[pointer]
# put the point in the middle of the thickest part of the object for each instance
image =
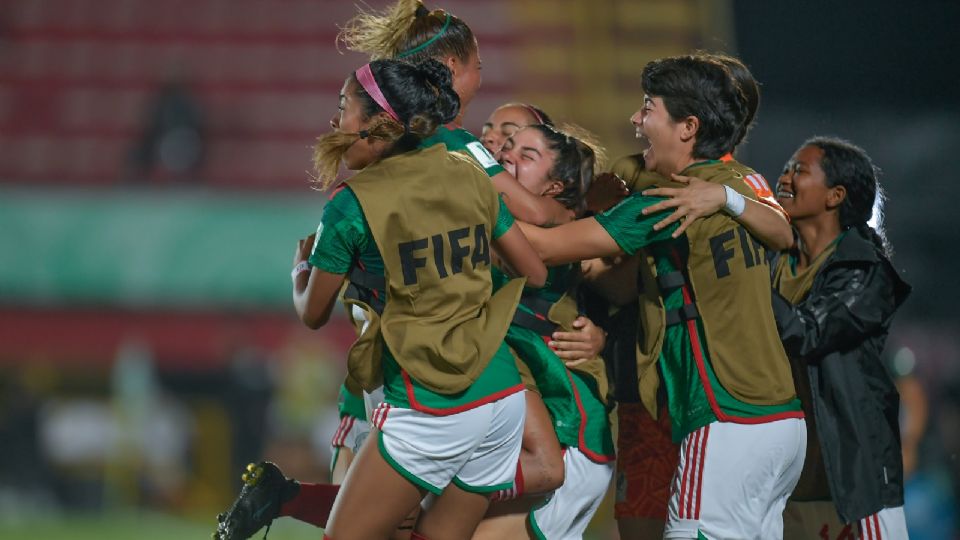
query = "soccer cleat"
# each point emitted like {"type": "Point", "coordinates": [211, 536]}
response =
{"type": "Point", "coordinates": [264, 491]}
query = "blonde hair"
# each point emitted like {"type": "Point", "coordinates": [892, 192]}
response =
{"type": "Point", "coordinates": [590, 140]}
{"type": "Point", "coordinates": [403, 27]}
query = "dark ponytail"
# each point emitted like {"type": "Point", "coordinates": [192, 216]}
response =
{"type": "Point", "coordinates": [439, 77]}
{"type": "Point", "coordinates": [423, 98]}
{"type": "Point", "coordinates": [846, 164]}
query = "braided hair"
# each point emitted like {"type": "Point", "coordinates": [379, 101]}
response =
{"type": "Point", "coordinates": [846, 164]}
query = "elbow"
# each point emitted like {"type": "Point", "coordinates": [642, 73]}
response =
{"type": "Point", "coordinates": [537, 213]}
{"type": "Point", "coordinates": [537, 279]}
{"type": "Point", "coordinates": [540, 217]}
{"type": "Point", "coordinates": [314, 321]}
{"type": "Point", "coordinates": [784, 240]}
{"type": "Point", "coordinates": [780, 240]}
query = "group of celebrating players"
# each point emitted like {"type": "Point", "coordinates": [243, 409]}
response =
{"type": "Point", "coordinates": [509, 291]}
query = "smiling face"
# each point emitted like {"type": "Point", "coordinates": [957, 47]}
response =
{"type": "Point", "coordinates": [503, 124]}
{"type": "Point", "coordinates": [802, 187]}
{"type": "Point", "coordinates": [665, 138]}
{"type": "Point", "coordinates": [350, 118]}
{"type": "Point", "coordinates": [526, 156]}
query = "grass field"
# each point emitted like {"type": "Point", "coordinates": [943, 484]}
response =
{"type": "Point", "coordinates": [134, 526]}
{"type": "Point", "coordinates": [145, 526]}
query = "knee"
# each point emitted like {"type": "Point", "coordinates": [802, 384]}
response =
{"type": "Point", "coordinates": [556, 471]}
{"type": "Point", "coordinates": [546, 473]}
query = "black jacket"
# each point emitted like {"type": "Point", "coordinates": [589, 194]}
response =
{"type": "Point", "coordinates": [840, 329]}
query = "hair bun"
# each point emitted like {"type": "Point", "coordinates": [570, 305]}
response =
{"type": "Point", "coordinates": [438, 76]}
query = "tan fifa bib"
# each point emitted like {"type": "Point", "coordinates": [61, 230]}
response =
{"type": "Point", "coordinates": [432, 214]}
{"type": "Point", "coordinates": [730, 278]}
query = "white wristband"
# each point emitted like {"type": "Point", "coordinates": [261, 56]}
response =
{"type": "Point", "coordinates": [736, 202]}
{"type": "Point", "coordinates": [301, 267]}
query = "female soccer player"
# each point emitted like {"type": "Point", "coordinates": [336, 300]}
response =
{"type": "Point", "coordinates": [448, 424]}
{"type": "Point", "coordinates": [727, 378]}
{"type": "Point", "coordinates": [426, 220]}
{"type": "Point", "coordinates": [837, 293]}
{"type": "Point", "coordinates": [555, 163]}
{"type": "Point", "coordinates": [408, 30]}
{"type": "Point", "coordinates": [508, 119]}
{"type": "Point", "coordinates": [646, 455]}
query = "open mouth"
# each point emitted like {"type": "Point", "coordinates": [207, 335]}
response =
{"type": "Point", "coordinates": [510, 168]}
{"type": "Point", "coordinates": [784, 194]}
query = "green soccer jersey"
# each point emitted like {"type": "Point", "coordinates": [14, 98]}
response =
{"type": "Point", "coordinates": [350, 404]}
{"type": "Point", "coordinates": [461, 140]}
{"type": "Point", "coordinates": [572, 398]}
{"type": "Point", "coordinates": [343, 239]}
{"type": "Point", "coordinates": [687, 387]}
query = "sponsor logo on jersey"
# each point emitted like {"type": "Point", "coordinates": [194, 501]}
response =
{"type": "Point", "coordinates": [481, 154]}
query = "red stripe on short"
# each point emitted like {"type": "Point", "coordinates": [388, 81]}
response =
{"type": "Point", "coordinates": [703, 459]}
{"type": "Point", "coordinates": [383, 416]}
{"type": "Point", "coordinates": [683, 480]}
{"type": "Point", "coordinates": [692, 474]}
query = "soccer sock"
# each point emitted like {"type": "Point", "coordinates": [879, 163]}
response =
{"type": "Point", "coordinates": [513, 493]}
{"type": "Point", "coordinates": [312, 504]}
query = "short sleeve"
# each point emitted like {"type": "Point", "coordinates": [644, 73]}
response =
{"type": "Point", "coordinates": [504, 219]}
{"type": "Point", "coordinates": [632, 230]}
{"type": "Point", "coordinates": [462, 141]}
{"type": "Point", "coordinates": [483, 157]}
{"type": "Point", "coordinates": [340, 236]}
{"type": "Point", "coordinates": [759, 189]}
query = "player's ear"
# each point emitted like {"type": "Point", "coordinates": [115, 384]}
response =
{"type": "Point", "coordinates": [553, 189]}
{"type": "Point", "coordinates": [835, 196]}
{"type": "Point", "coordinates": [453, 64]}
{"type": "Point", "coordinates": [689, 127]}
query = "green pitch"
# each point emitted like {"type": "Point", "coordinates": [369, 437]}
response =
{"type": "Point", "coordinates": [127, 526]}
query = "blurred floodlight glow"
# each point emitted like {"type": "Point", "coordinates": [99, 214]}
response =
{"type": "Point", "coordinates": [904, 361]}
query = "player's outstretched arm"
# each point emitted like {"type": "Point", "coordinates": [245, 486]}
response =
{"type": "Point", "coordinates": [571, 242]}
{"type": "Point", "coordinates": [525, 206]}
{"type": "Point", "coordinates": [701, 199]}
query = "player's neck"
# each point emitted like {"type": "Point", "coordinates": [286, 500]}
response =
{"type": "Point", "coordinates": [458, 121]}
{"type": "Point", "coordinates": [678, 164]}
{"type": "Point", "coordinates": [815, 234]}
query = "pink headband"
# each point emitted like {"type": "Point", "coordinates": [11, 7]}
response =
{"type": "Point", "coordinates": [369, 84]}
{"type": "Point", "coordinates": [533, 111]}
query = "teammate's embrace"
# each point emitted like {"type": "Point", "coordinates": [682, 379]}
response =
{"type": "Point", "coordinates": [727, 378]}
{"type": "Point", "coordinates": [426, 220]}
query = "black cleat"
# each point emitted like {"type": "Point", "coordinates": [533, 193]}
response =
{"type": "Point", "coordinates": [264, 490]}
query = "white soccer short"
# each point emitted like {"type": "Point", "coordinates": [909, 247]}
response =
{"type": "Point", "coordinates": [733, 480]}
{"type": "Point", "coordinates": [476, 449]}
{"type": "Point", "coordinates": [819, 519]}
{"type": "Point", "coordinates": [568, 512]}
{"type": "Point", "coordinates": [351, 433]}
